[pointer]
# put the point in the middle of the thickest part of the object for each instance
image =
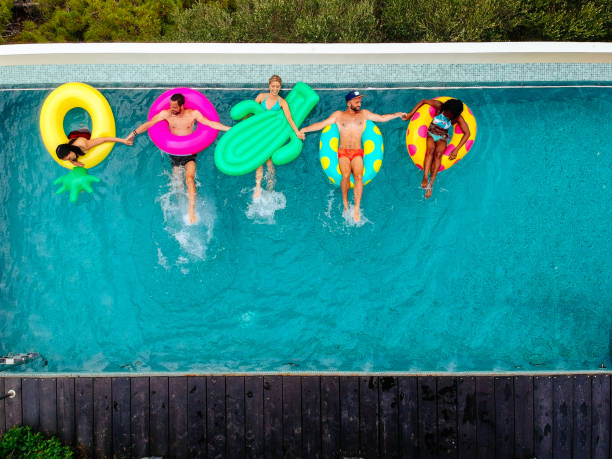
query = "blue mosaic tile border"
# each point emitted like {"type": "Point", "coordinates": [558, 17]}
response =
{"type": "Point", "coordinates": [245, 74]}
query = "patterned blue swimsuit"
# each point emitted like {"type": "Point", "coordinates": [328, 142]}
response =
{"type": "Point", "coordinates": [443, 123]}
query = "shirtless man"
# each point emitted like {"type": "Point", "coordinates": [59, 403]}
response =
{"type": "Point", "coordinates": [181, 121]}
{"type": "Point", "coordinates": [351, 123]}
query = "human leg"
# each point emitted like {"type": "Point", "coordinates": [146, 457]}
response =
{"type": "Point", "coordinates": [345, 183]}
{"type": "Point", "coordinates": [270, 179]}
{"type": "Point", "coordinates": [427, 162]}
{"type": "Point", "coordinates": [357, 169]}
{"type": "Point", "coordinates": [437, 160]}
{"type": "Point", "coordinates": [190, 170]}
{"type": "Point", "coordinates": [258, 177]}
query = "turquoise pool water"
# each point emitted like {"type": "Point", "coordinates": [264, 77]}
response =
{"type": "Point", "coordinates": [507, 267]}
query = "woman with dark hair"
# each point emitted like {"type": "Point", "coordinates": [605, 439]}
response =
{"type": "Point", "coordinates": [79, 142]}
{"type": "Point", "coordinates": [447, 115]}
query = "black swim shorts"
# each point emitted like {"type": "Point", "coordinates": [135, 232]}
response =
{"type": "Point", "coordinates": [181, 160]}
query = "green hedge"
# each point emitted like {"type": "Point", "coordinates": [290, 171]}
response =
{"type": "Point", "coordinates": [21, 442]}
{"type": "Point", "coordinates": [309, 21]}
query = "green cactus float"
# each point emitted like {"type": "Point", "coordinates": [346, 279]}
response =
{"type": "Point", "coordinates": [75, 181]}
{"type": "Point", "coordinates": [266, 134]}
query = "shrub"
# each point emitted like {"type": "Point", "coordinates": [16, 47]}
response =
{"type": "Point", "coordinates": [21, 442]}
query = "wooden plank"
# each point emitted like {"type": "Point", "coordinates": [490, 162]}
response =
{"type": "Point", "coordinates": [447, 417]}
{"type": "Point", "coordinates": [600, 433]}
{"type": "Point", "coordinates": [30, 402]}
{"type": "Point", "coordinates": [428, 420]}
{"type": "Point", "coordinates": [273, 416]}
{"type": "Point", "coordinates": [84, 414]}
{"type": "Point", "coordinates": [120, 389]}
{"type": "Point", "coordinates": [177, 412]}
{"type": "Point", "coordinates": [523, 415]}
{"type": "Point", "coordinates": [65, 410]}
{"type": "Point", "coordinates": [581, 416]}
{"type": "Point", "coordinates": [196, 416]}
{"type": "Point", "coordinates": [330, 416]}
{"type": "Point", "coordinates": [12, 406]}
{"type": "Point", "coordinates": [368, 416]}
{"type": "Point", "coordinates": [389, 416]}
{"type": "Point", "coordinates": [467, 440]}
{"type": "Point", "coordinates": [235, 416]}
{"type": "Point", "coordinates": [311, 416]}
{"type": "Point", "coordinates": [158, 415]}
{"type": "Point", "coordinates": [504, 417]}
{"type": "Point", "coordinates": [349, 416]}
{"type": "Point", "coordinates": [103, 417]}
{"type": "Point", "coordinates": [2, 410]}
{"type": "Point", "coordinates": [562, 416]}
{"type": "Point", "coordinates": [139, 416]}
{"type": "Point", "coordinates": [292, 416]}
{"type": "Point", "coordinates": [408, 403]}
{"type": "Point", "coordinates": [542, 416]}
{"type": "Point", "coordinates": [254, 420]}
{"type": "Point", "coordinates": [485, 410]}
{"type": "Point", "coordinates": [215, 416]}
{"type": "Point", "coordinates": [48, 406]}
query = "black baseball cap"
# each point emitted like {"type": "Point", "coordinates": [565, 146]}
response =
{"type": "Point", "coordinates": [351, 95]}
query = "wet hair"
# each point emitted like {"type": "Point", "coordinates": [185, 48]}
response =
{"type": "Point", "coordinates": [275, 78]}
{"type": "Point", "coordinates": [65, 149]}
{"type": "Point", "coordinates": [455, 106]}
{"type": "Point", "coordinates": [178, 97]}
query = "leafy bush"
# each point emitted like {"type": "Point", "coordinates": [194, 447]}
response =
{"type": "Point", "coordinates": [102, 21]}
{"type": "Point", "coordinates": [21, 442]}
{"type": "Point", "coordinates": [284, 21]}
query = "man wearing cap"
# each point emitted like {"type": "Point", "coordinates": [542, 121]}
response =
{"type": "Point", "coordinates": [351, 123]}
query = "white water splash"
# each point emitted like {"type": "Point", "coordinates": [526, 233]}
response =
{"type": "Point", "coordinates": [193, 238]}
{"type": "Point", "coordinates": [349, 217]}
{"type": "Point", "coordinates": [262, 209]}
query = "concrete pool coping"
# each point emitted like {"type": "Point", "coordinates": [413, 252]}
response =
{"type": "Point", "coordinates": [9, 374]}
{"type": "Point", "coordinates": [358, 65]}
{"type": "Point", "coordinates": [307, 53]}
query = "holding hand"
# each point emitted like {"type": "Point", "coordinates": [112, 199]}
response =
{"type": "Point", "coordinates": [453, 153]}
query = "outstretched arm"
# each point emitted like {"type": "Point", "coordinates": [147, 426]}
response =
{"type": "Point", "coordinates": [213, 124]}
{"type": "Point", "coordinates": [285, 106]}
{"type": "Point", "coordinates": [163, 115]}
{"type": "Point", "coordinates": [383, 118]}
{"type": "Point", "coordinates": [466, 135]}
{"type": "Point", "coordinates": [434, 103]}
{"type": "Point", "coordinates": [100, 140]}
{"type": "Point", "coordinates": [320, 124]}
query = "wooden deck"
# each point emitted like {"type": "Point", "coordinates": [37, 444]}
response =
{"type": "Point", "coordinates": [319, 416]}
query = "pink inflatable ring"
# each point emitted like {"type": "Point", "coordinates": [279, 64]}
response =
{"type": "Point", "coordinates": [183, 145]}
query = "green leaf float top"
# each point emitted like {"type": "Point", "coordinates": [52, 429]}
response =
{"type": "Point", "coordinates": [251, 142]}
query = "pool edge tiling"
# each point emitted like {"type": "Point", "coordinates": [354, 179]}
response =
{"type": "Point", "coordinates": [355, 64]}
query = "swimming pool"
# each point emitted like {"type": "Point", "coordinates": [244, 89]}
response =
{"type": "Point", "coordinates": [505, 268]}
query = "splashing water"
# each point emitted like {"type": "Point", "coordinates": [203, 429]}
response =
{"type": "Point", "coordinates": [193, 238]}
{"type": "Point", "coordinates": [261, 210]}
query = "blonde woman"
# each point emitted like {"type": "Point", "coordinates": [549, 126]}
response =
{"type": "Point", "coordinates": [271, 101]}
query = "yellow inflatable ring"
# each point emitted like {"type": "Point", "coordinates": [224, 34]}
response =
{"type": "Point", "coordinates": [416, 135]}
{"type": "Point", "coordinates": [60, 102]}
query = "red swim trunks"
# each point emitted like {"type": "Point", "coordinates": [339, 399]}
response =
{"type": "Point", "coordinates": [350, 153]}
{"type": "Point", "coordinates": [80, 133]}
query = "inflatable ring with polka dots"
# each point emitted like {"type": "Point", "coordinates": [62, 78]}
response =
{"type": "Point", "coordinates": [373, 148]}
{"type": "Point", "coordinates": [416, 135]}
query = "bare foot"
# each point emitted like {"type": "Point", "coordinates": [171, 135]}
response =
{"type": "Point", "coordinates": [424, 183]}
{"type": "Point", "coordinates": [428, 190]}
{"type": "Point", "coordinates": [357, 214]}
{"type": "Point", "coordinates": [192, 216]}
{"type": "Point", "coordinates": [257, 192]}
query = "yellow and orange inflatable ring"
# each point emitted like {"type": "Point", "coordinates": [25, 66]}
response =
{"type": "Point", "coordinates": [416, 135]}
{"type": "Point", "coordinates": [61, 101]}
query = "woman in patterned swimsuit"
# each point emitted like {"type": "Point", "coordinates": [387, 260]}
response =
{"type": "Point", "coordinates": [447, 115]}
